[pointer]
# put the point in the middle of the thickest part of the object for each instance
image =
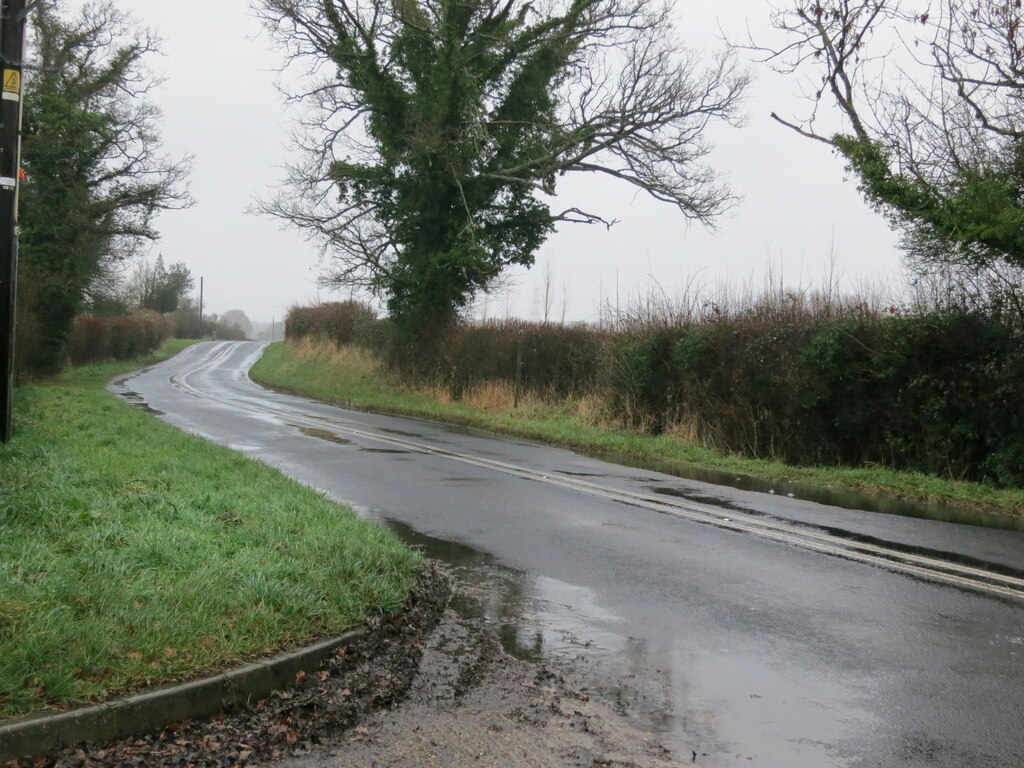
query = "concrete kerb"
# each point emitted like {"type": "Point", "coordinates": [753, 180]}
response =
{"type": "Point", "coordinates": [142, 712]}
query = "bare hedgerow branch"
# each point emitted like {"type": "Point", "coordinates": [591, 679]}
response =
{"type": "Point", "coordinates": [931, 108]}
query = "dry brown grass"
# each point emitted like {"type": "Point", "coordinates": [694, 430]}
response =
{"type": "Point", "coordinates": [492, 396]}
{"type": "Point", "coordinates": [591, 410]}
{"type": "Point", "coordinates": [686, 429]}
{"type": "Point", "coordinates": [348, 356]}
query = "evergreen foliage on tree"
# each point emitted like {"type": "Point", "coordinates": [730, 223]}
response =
{"type": "Point", "coordinates": [932, 104]}
{"type": "Point", "coordinates": [436, 139]}
{"type": "Point", "coordinates": [91, 152]}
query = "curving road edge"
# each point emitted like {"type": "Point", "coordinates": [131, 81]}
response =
{"type": "Point", "coordinates": [158, 707]}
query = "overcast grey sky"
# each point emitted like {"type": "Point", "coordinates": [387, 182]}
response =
{"type": "Point", "coordinates": [221, 105]}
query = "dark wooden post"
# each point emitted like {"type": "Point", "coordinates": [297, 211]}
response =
{"type": "Point", "coordinates": [12, 43]}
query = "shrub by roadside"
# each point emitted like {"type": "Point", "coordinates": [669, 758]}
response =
{"type": "Point", "coordinates": [124, 337]}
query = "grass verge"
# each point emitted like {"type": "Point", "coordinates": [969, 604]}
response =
{"type": "Point", "coordinates": [351, 377]}
{"type": "Point", "coordinates": [134, 554]}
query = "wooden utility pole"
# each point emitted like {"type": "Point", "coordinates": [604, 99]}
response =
{"type": "Point", "coordinates": [12, 44]}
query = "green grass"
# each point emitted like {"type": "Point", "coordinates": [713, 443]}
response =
{"type": "Point", "coordinates": [353, 379]}
{"type": "Point", "coordinates": [134, 554]}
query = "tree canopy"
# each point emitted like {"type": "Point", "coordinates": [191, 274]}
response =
{"type": "Point", "coordinates": [91, 152]}
{"type": "Point", "coordinates": [236, 318]}
{"type": "Point", "coordinates": [151, 285]}
{"type": "Point", "coordinates": [932, 110]}
{"type": "Point", "coordinates": [436, 133]}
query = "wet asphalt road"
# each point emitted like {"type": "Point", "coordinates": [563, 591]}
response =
{"type": "Point", "coordinates": [738, 648]}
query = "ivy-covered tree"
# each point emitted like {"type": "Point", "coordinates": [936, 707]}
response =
{"type": "Point", "coordinates": [931, 101]}
{"type": "Point", "coordinates": [95, 175]}
{"type": "Point", "coordinates": [436, 139]}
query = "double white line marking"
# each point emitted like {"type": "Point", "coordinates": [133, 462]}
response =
{"type": "Point", "coordinates": [917, 565]}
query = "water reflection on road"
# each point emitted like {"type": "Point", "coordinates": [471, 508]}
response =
{"type": "Point", "coordinates": [543, 619]}
{"type": "Point", "coordinates": [693, 697]}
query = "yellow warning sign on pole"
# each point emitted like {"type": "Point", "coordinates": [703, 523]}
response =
{"type": "Point", "coordinates": [12, 81]}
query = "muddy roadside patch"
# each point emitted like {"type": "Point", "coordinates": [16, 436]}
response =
{"type": "Point", "coordinates": [425, 687]}
{"type": "Point", "coordinates": [474, 705]}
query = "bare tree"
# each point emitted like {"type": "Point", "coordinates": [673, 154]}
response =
{"type": "Point", "coordinates": [547, 290]}
{"type": "Point", "coordinates": [151, 285]}
{"type": "Point", "coordinates": [238, 319]}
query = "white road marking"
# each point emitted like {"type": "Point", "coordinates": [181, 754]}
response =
{"type": "Point", "coordinates": [892, 559]}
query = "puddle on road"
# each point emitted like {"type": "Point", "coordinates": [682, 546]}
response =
{"type": "Point", "coordinates": [539, 618]}
{"type": "Point", "coordinates": [765, 703]}
{"type": "Point", "coordinates": [841, 499]}
{"type": "Point", "coordinates": [323, 434]}
{"type": "Point", "coordinates": [699, 701]}
{"type": "Point", "coordinates": [139, 402]}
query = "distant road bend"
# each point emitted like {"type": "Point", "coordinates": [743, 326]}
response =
{"type": "Point", "coordinates": [903, 646]}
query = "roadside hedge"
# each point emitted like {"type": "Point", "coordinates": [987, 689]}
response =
{"type": "Point", "coordinates": [938, 391]}
{"type": "Point", "coordinates": [123, 337]}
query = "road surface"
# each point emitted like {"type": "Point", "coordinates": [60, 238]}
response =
{"type": "Point", "coordinates": [744, 628]}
